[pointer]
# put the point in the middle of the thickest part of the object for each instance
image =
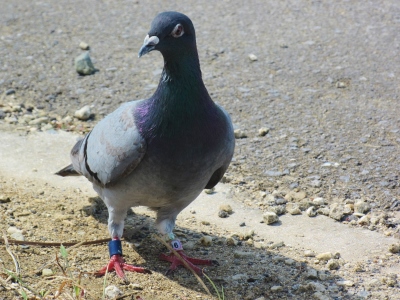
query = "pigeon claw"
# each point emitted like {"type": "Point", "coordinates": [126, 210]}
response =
{"type": "Point", "coordinates": [192, 262]}
{"type": "Point", "coordinates": [117, 264]}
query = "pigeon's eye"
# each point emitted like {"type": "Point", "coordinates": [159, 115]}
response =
{"type": "Point", "coordinates": [177, 31]}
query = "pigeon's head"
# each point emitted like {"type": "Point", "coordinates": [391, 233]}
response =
{"type": "Point", "coordinates": [171, 33]}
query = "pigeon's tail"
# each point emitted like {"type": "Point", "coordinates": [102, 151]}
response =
{"type": "Point", "coordinates": [68, 171]}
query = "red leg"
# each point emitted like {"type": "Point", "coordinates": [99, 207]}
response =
{"type": "Point", "coordinates": [176, 262]}
{"type": "Point", "coordinates": [117, 263]}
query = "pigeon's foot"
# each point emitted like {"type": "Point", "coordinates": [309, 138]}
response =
{"type": "Point", "coordinates": [176, 262]}
{"type": "Point", "coordinates": [117, 264]}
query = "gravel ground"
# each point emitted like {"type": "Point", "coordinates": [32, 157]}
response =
{"type": "Point", "coordinates": [312, 88]}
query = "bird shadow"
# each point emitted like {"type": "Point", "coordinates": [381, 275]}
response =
{"type": "Point", "coordinates": [246, 270]}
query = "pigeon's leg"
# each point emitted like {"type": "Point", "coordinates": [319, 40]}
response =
{"type": "Point", "coordinates": [166, 227]}
{"type": "Point", "coordinates": [117, 263]}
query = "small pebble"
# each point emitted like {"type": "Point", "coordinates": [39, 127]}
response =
{"type": "Point", "coordinates": [362, 207]}
{"type": "Point", "coordinates": [276, 245]}
{"type": "Point", "coordinates": [394, 248]}
{"type": "Point", "coordinates": [309, 253]}
{"type": "Point", "coordinates": [325, 256]}
{"type": "Point", "coordinates": [18, 236]}
{"type": "Point", "coordinates": [209, 191]}
{"type": "Point", "coordinates": [319, 201]}
{"type": "Point", "coordinates": [223, 214]}
{"type": "Point", "coordinates": [333, 264]}
{"type": "Point", "coordinates": [276, 288]}
{"type": "Point", "coordinates": [311, 212]}
{"type": "Point", "coordinates": [227, 208]}
{"type": "Point", "coordinates": [4, 199]}
{"type": "Point", "coordinates": [205, 222]}
{"type": "Point", "coordinates": [241, 224]}
{"type": "Point", "coordinates": [239, 134]}
{"type": "Point", "coordinates": [84, 65]}
{"type": "Point", "coordinates": [206, 240]}
{"type": "Point", "coordinates": [345, 283]}
{"type": "Point", "coordinates": [312, 274]}
{"type": "Point", "coordinates": [84, 46]}
{"type": "Point", "coordinates": [112, 292]}
{"type": "Point", "coordinates": [263, 131]}
{"type": "Point", "coordinates": [363, 220]}
{"type": "Point", "coordinates": [47, 272]}
{"type": "Point", "coordinates": [83, 113]}
{"type": "Point", "coordinates": [10, 92]}
{"type": "Point", "coordinates": [230, 241]}
{"type": "Point", "coordinates": [252, 57]}
{"type": "Point", "coordinates": [270, 217]}
{"type": "Point", "coordinates": [295, 210]}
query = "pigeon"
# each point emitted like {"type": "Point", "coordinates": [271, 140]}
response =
{"type": "Point", "coordinates": [159, 152]}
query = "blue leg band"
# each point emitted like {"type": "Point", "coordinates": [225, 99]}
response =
{"type": "Point", "coordinates": [115, 247]}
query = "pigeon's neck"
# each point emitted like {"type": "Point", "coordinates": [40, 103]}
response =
{"type": "Point", "coordinates": [181, 101]}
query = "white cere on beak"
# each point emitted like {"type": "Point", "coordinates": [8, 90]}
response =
{"type": "Point", "coordinates": [151, 40]}
{"type": "Point", "coordinates": [177, 31]}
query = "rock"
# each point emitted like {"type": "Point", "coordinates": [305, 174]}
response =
{"type": "Point", "coordinates": [278, 209]}
{"type": "Point", "coordinates": [84, 46]}
{"type": "Point", "coordinates": [205, 223]}
{"type": "Point", "coordinates": [46, 127]}
{"type": "Point", "coordinates": [112, 292]}
{"type": "Point", "coordinates": [336, 212]}
{"type": "Point", "coordinates": [345, 283]}
{"type": "Point", "coordinates": [294, 210]}
{"type": "Point", "coordinates": [333, 264]}
{"type": "Point", "coordinates": [363, 221]}
{"type": "Point", "coordinates": [394, 248]}
{"type": "Point", "coordinates": [47, 272]}
{"type": "Point", "coordinates": [296, 196]}
{"type": "Point", "coordinates": [252, 57]}
{"type": "Point", "coordinates": [227, 208]}
{"type": "Point", "coordinates": [230, 241]}
{"type": "Point", "coordinates": [309, 253]}
{"type": "Point", "coordinates": [206, 240]}
{"type": "Point", "coordinates": [325, 256]}
{"type": "Point", "coordinates": [273, 173]}
{"type": "Point", "coordinates": [263, 131]}
{"type": "Point", "coordinates": [239, 134]}
{"type": "Point", "coordinates": [276, 245]}
{"type": "Point", "coordinates": [276, 288]}
{"type": "Point", "coordinates": [18, 236]}
{"type": "Point", "coordinates": [242, 254]}
{"type": "Point", "coordinates": [362, 207]}
{"type": "Point", "coordinates": [84, 65]}
{"type": "Point", "coordinates": [83, 113]}
{"type": "Point", "coordinates": [270, 217]}
{"type": "Point", "coordinates": [223, 214]}
{"type": "Point", "coordinates": [13, 229]}
{"type": "Point", "coordinates": [311, 212]}
{"type": "Point", "coordinates": [39, 121]}
{"type": "Point", "coordinates": [10, 92]}
{"type": "Point", "coordinates": [319, 201]}
{"type": "Point", "coordinates": [323, 211]}
{"type": "Point", "coordinates": [312, 274]}
{"type": "Point", "coordinates": [209, 191]}
{"type": "Point", "coordinates": [4, 199]}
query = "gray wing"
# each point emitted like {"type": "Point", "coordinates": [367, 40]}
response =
{"type": "Point", "coordinates": [228, 152]}
{"type": "Point", "coordinates": [112, 150]}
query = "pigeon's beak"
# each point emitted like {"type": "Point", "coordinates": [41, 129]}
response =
{"type": "Point", "coordinates": [149, 44]}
